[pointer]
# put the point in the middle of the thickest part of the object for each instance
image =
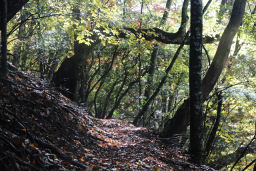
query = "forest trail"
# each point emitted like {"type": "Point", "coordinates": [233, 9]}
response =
{"type": "Point", "coordinates": [40, 129]}
{"type": "Point", "coordinates": [127, 146]}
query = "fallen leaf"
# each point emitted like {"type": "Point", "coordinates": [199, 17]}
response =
{"type": "Point", "coordinates": [70, 117]}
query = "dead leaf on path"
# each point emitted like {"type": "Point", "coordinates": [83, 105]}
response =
{"type": "Point", "coordinates": [70, 117]}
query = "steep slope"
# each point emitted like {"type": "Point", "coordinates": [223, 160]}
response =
{"type": "Point", "coordinates": [40, 129]}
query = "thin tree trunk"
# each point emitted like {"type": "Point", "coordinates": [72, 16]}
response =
{"type": "Point", "coordinates": [98, 113]}
{"type": "Point", "coordinates": [212, 135]}
{"type": "Point", "coordinates": [222, 10]}
{"type": "Point", "coordinates": [151, 73]}
{"type": "Point", "coordinates": [254, 10]}
{"type": "Point", "coordinates": [18, 47]}
{"type": "Point", "coordinates": [246, 167]}
{"type": "Point", "coordinates": [3, 26]}
{"type": "Point", "coordinates": [230, 158]}
{"type": "Point", "coordinates": [118, 100]}
{"type": "Point", "coordinates": [243, 152]}
{"type": "Point", "coordinates": [124, 8]}
{"type": "Point", "coordinates": [182, 29]}
{"type": "Point", "coordinates": [152, 97]}
{"type": "Point", "coordinates": [164, 102]}
{"type": "Point", "coordinates": [96, 110]}
{"type": "Point", "coordinates": [154, 54]}
{"type": "Point", "coordinates": [40, 43]}
{"type": "Point", "coordinates": [139, 55]}
{"type": "Point", "coordinates": [108, 98]}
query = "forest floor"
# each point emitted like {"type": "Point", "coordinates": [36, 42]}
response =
{"type": "Point", "coordinates": [40, 129]}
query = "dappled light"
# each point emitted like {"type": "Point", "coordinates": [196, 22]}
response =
{"type": "Point", "coordinates": [128, 85]}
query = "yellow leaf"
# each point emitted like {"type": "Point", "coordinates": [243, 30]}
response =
{"type": "Point", "coordinates": [32, 145]}
{"type": "Point", "coordinates": [82, 159]}
{"type": "Point", "coordinates": [157, 169]}
{"type": "Point", "coordinates": [54, 157]}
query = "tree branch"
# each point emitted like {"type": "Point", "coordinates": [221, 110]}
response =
{"type": "Point", "coordinates": [230, 158]}
{"type": "Point", "coordinates": [13, 7]}
{"type": "Point", "coordinates": [166, 37]}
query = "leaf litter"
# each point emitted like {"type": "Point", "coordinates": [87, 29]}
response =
{"type": "Point", "coordinates": [40, 129]}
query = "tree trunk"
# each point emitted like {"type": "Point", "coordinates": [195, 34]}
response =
{"type": "Point", "coordinates": [195, 82]}
{"type": "Point", "coordinates": [154, 54]}
{"type": "Point", "coordinates": [164, 102]}
{"type": "Point", "coordinates": [3, 26]}
{"type": "Point", "coordinates": [242, 154]}
{"type": "Point", "coordinates": [13, 7]}
{"type": "Point", "coordinates": [70, 72]}
{"type": "Point", "coordinates": [70, 75]}
{"type": "Point", "coordinates": [182, 30]}
{"type": "Point", "coordinates": [18, 47]}
{"type": "Point", "coordinates": [151, 72]}
{"type": "Point", "coordinates": [178, 124]}
{"type": "Point", "coordinates": [152, 97]}
{"type": "Point", "coordinates": [212, 135]}
{"type": "Point", "coordinates": [223, 50]}
{"type": "Point", "coordinates": [222, 10]}
{"type": "Point", "coordinates": [40, 52]}
{"type": "Point", "coordinates": [118, 100]}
